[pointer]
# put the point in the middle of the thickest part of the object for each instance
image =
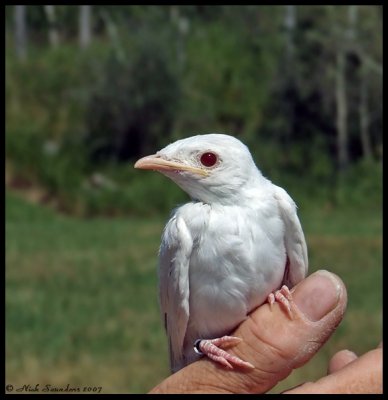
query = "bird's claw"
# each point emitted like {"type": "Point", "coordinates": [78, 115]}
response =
{"type": "Point", "coordinates": [284, 297]}
{"type": "Point", "coordinates": [212, 348]}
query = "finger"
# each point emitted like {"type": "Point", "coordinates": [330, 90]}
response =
{"type": "Point", "coordinates": [272, 342]}
{"type": "Point", "coordinates": [361, 376]}
{"type": "Point", "coordinates": [380, 346]}
{"type": "Point", "coordinates": [340, 359]}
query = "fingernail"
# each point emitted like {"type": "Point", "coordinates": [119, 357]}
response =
{"type": "Point", "coordinates": [351, 355]}
{"type": "Point", "coordinates": [317, 295]}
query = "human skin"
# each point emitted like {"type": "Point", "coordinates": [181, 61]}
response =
{"type": "Point", "coordinates": [349, 374]}
{"type": "Point", "coordinates": [276, 345]}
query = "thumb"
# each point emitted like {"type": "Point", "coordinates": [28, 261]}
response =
{"type": "Point", "coordinates": [272, 342]}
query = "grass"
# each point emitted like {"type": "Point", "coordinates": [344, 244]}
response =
{"type": "Point", "coordinates": [81, 295]}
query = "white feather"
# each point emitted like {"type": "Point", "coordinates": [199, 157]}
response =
{"type": "Point", "coordinates": [223, 253]}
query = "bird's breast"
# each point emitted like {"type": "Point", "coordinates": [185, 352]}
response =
{"type": "Point", "coordinates": [238, 258]}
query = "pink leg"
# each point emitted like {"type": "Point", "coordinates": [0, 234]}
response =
{"type": "Point", "coordinates": [212, 348]}
{"type": "Point", "coordinates": [284, 297]}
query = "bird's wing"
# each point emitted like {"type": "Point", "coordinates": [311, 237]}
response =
{"type": "Point", "coordinates": [297, 261]}
{"type": "Point", "coordinates": [174, 258]}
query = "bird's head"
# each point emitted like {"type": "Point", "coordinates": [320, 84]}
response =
{"type": "Point", "coordinates": [210, 168]}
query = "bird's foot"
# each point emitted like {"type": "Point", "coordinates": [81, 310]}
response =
{"type": "Point", "coordinates": [212, 348]}
{"type": "Point", "coordinates": [284, 297]}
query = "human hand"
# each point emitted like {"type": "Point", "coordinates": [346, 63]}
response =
{"type": "Point", "coordinates": [276, 345]}
{"type": "Point", "coordinates": [349, 374]}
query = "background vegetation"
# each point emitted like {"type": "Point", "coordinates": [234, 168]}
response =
{"type": "Point", "coordinates": [89, 89]}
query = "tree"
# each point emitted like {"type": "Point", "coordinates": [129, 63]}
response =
{"type": "Point", "coordinates": [85, 32]}
{"type": "Point", "coordinates": [52, 29]}
{"type": "Point", "coordinates": [341, 111]}
{"type": "Point", "coordinates": [364, 116]}
{"type": "Point", "coordinates": [20, 32]}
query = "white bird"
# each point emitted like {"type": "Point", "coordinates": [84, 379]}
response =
{"type": "Point", "coordinates": [227, 251]}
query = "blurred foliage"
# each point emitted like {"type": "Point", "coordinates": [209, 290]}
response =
{"type": "Point", "coordinates": [133, 102]}
{"type": "Point", "coordinates": [77, 119]}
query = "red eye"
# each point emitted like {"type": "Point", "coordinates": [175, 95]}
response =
{"type": "Point", "coordinates": [209, 159]}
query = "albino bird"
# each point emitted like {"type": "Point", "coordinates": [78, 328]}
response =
{"type": "Point", "coordinates": [227, 251]}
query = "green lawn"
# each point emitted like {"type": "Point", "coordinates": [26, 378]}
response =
{"type": "Point", "coordinates": [81, 295]}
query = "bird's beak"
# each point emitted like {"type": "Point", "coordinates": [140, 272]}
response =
{"type": "Point", "coordinates": [157, 163]}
